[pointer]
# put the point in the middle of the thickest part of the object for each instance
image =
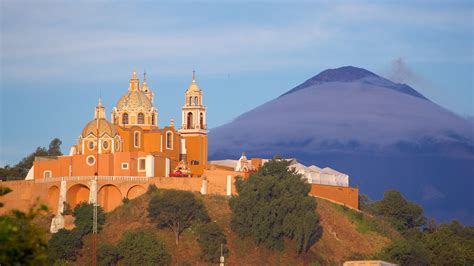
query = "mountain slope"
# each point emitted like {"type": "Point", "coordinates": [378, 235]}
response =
{"type": "Point", "coordinates": [383, 134]}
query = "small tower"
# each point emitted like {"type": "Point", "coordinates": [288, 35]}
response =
{"type": "Point", "coordinates": [193, 111]}
{"type": "Point", "coordinates": [194, 127]}
{"type": "Point", "coordinates": [146, 89]}
{"type": "Point", "coordinates": [134, 82]}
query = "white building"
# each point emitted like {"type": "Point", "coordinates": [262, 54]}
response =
{"type": "Point", "coordinates": [312, 173]}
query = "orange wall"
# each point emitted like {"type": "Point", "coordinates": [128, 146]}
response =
{"type": "Point", "coordinates": [346, 195]}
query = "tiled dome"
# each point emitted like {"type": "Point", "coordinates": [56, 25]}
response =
{"type": "Point", "coordinates": [134, 101]}
{"type": "Point", "coordinates": [105, 127]}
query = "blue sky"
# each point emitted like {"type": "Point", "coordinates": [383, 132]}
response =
{"type": "Point", "coordinates": [57, 56]}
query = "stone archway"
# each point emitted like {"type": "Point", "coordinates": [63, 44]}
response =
{"type": "Point", "coordinates": [109, 197]}
{"type": "Point", "coordinates": [77, 194]}
{"type": "Point", "coordinates": [52, 199]}
{"type": "Point", "coordinates": [135, 191]}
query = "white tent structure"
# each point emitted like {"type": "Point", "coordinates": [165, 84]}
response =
{"type": "Point", "coordinates": [312, 173]}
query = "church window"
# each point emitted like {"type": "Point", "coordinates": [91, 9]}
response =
{"type": "Point", "coordinates": [169, 140]}
{"type": "Point", "coordinates": [90, 160]}
{"type": "Point", "coordinates": [91, 145]}
{"type": "Point", "coordinates": [125, 119]}
{"type": "Point", "coordinates": [141, 118]}
{"type": "Point", "coordinates": [190, 121]}
{"type": "Point", "coordinates": [194, 162]}
{"type": "Point", "coordinates": [124, 166]}
{"type": "Point", "coordinates": [47, 174]}
{"type": "Point", "coordinates": [117, 146]}
{"type": "Point", "coordinates": [153, 119]}
{"type": "Point", "coordinates": [141, 164]}
{"type": "Point", "coordinates": [105, 145]}
{"type": "Point", "coordinates": [201, 120]}
{"type": "Point", "coordinates": [136, 139]}
{"type": "Point", "coordinates": [196, 101]}
{"type": "Point", "coordinates": [190, 100]}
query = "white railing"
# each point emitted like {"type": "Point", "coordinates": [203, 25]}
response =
{"type": "Point", "coordinates": [87, 178]}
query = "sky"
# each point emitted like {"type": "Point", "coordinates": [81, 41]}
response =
{"type": "Point", "coordinates": [59, 57]}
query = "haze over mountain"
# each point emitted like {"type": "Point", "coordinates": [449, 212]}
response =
{"type": "Point", "coordinates": [383, 134]}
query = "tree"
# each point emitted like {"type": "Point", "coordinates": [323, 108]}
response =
{"type": "Point", "coordinates": [452, 244]}
{"type": "Point", "coordinates": [55, 147]}
{"type": "Point", "coordinates": [176, 210]}
{"type": "Point", "coordinates": [401, 213]}
{"type": "Point", "coordinates": [211, 237]}
{"type": "Point", "coordinates": [405, 252]}
{"type": "Point", "coordinates": [142, 248]}
{"type": "Point", "coordinates": [64, 245]}
{"type": "Point", "coordinates": [21, 242]}
{"type": "Point", "coordinates": [83, 213]}
{"type": "Point", "coordinates": [107, 255]}
{"type": "Point", "coordinates": [273, 203]}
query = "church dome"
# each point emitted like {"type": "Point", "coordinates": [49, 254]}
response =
{"type": "Point", "coordinates": [134, 100]}
{"type": "Point", "coordinates": [105, 127]}
{"type": "Point", "coordinates": [193, 87]}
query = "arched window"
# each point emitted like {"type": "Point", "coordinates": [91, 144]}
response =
{"type": "Point", "coordinates": [169, 140]}
{"type": "Point", "coordinates": [125, 119]}
{"type": "Point", "coordinates": [196, 101]}
{"type": "Point", "coordinates": [136, 139]}
{"type": "Point", "coordinates": [190, 121]}
{"type": "Point", "coordinates": [190, 100]}
{"type": "Point", "coordinates": [141, 118]}
{"type": "Point", "coordinates": [153, 119]}
{"type": "Point", "coordinates": [201, 120]}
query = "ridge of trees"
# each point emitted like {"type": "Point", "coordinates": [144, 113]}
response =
{"type": "Point", "coordinates": [20, 170]}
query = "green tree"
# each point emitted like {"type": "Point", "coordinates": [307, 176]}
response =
{"type": "Point", "coordinates": [211, 237]}
{"type": "Point", "coordinates": [64, 245]}
{"type": "Point", "coordinates": [21, 242]}
{"type": "Point", "coordinates": [405, 252]}
{"type": "Point", "coordinates": [401, 213]}
{"type": "Point", "coordinates": [142, 248]}
{"type": "Point", "coordinates": [273, 203]}
{"type": "Point", "coordinates": [107, 255]}
{"type": "Point", "coordinates": [54, 148]}
{"type": "Point", "coordinates": [450, 244]}
{"type": "Point", "coordinates": [83, 213]}
{"type": "Point", "coordinates": [176, 210]}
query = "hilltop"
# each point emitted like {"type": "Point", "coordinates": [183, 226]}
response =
{"type": "Point", "coordinates": [345, 235]}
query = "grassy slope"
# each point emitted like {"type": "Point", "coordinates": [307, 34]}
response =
{"type": "Point", "coordinates": [345, 233]}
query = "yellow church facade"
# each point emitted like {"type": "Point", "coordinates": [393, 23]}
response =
{"type": "Point", "coordinates": [132, 144]}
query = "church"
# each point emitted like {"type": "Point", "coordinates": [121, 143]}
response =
{"type": "Point", "coordinates": [132, 144]}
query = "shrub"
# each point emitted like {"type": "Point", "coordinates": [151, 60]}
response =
{"type": "Point", "coordinates": [273, 203]}
{"type": "Point", "coordinates": [107, 255]}
{"type": "Point", "coordinates": [176, 210]}
{"type": "Point", "coordinates": [211, 237]}
{"type": "Point", "coordinates": [142, 248]}
{"type": "Point", "coordinates": [151, 189]}
{"type": "Point", "coordinates": [22, 242]}
{"type": "Point", "coordinates": [125, 201]}
{"type": "Point", "coordinates": [64, 245]}
{"type": "Point", "coordinates": [83, 213]}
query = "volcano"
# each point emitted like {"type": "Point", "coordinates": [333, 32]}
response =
{"type": "Point", "coordinates": [383, 134]}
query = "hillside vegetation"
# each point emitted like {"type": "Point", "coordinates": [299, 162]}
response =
{"type": "Point", "coordinates": [343, 236]}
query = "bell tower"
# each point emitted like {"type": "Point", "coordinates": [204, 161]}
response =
{"type": "Point", "coordinates": [194, 127]}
